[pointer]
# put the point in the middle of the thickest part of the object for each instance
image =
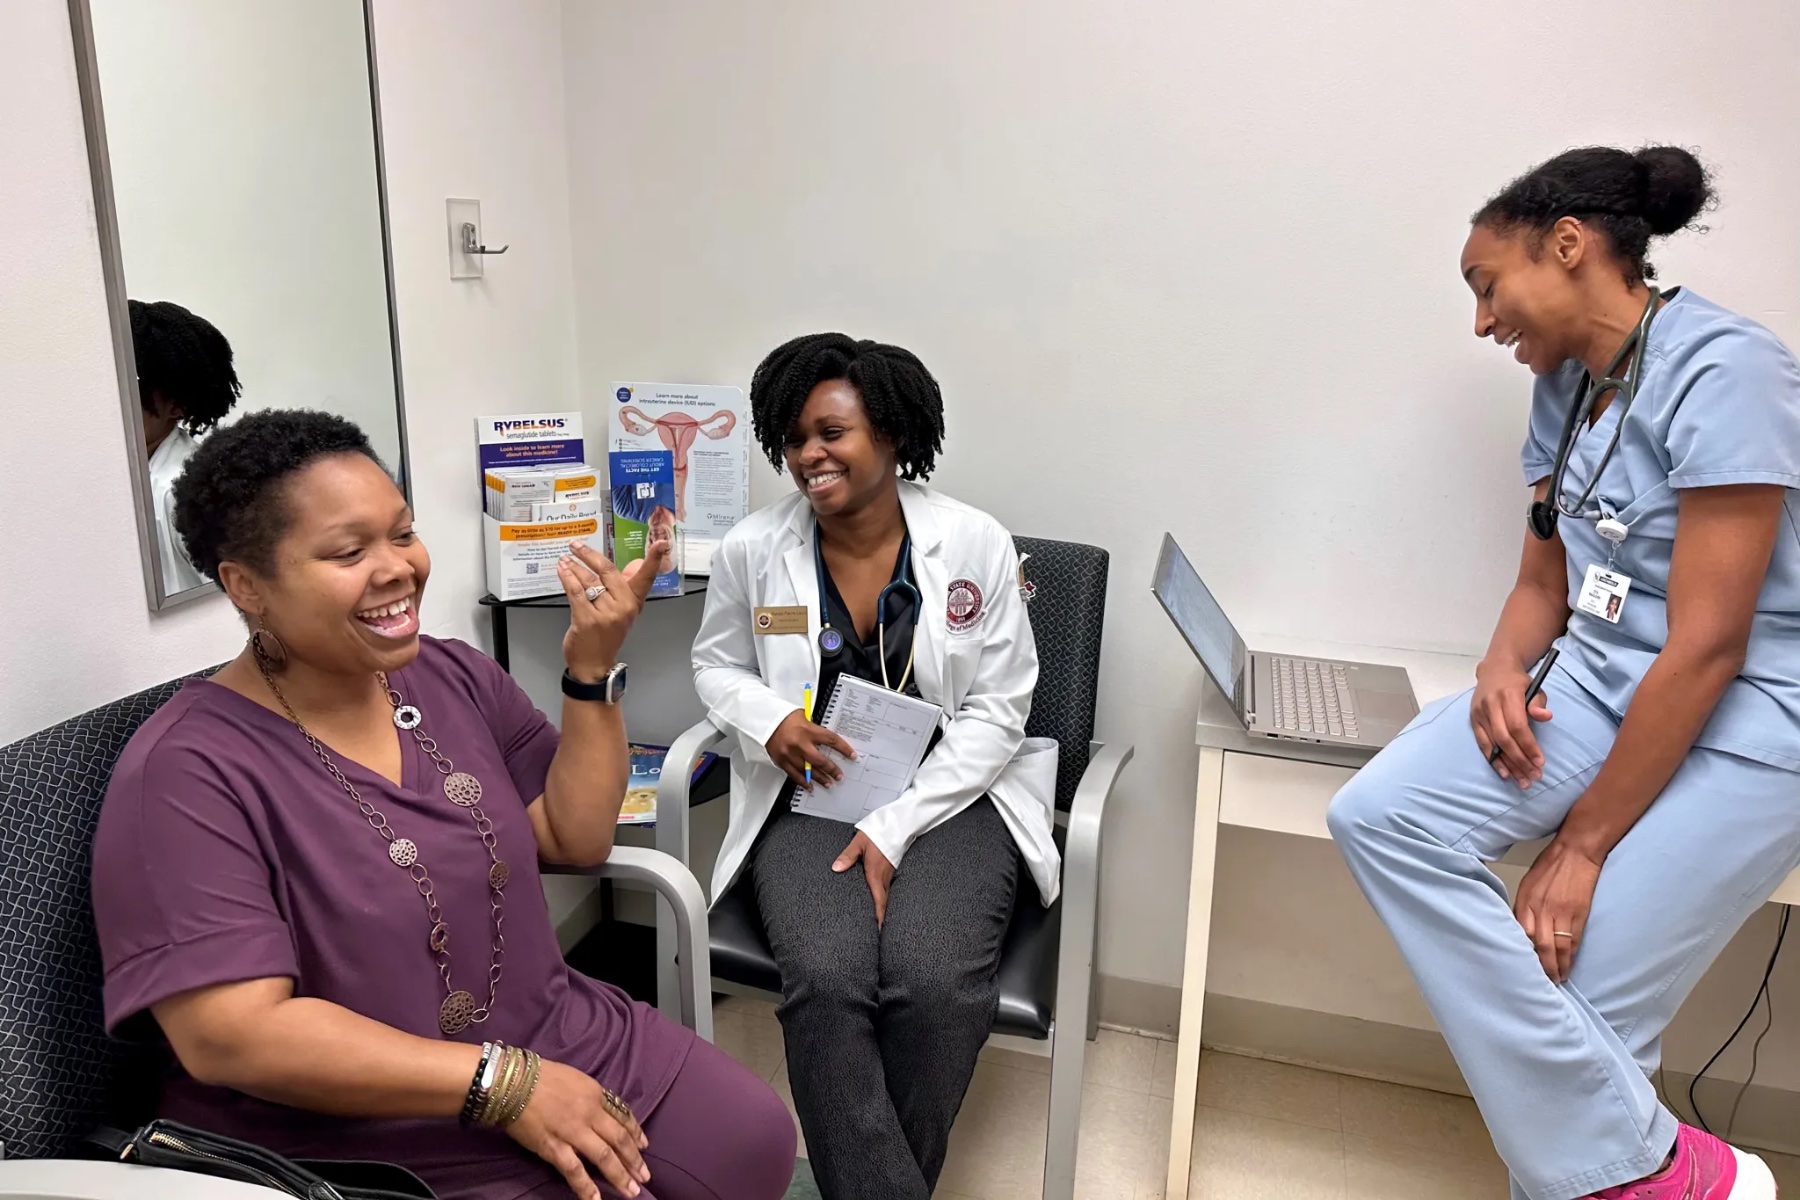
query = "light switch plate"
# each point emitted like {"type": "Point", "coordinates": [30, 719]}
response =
{"type": "Point", "coordinates": [460, 212]}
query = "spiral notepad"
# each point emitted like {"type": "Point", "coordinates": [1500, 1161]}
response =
{"type": "Point", "coordinates": [890, 733]}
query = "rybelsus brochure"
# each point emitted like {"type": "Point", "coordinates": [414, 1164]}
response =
{"type": "Point", "coordinates": [706, 432]}
{"type": "Point", "coordinates": [538, 494]}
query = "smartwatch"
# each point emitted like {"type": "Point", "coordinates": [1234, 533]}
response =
{"type": "Point", "coordinates": [608, 691]}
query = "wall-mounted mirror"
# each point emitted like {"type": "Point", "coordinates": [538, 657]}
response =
{"type": "Point", "coordinates": [237, 181]}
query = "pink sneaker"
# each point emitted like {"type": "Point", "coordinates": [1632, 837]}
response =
{"type": "Point", "coordinates": [1705, 1168]}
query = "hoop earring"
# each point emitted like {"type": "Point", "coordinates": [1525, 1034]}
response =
{"type": "Point", "coordinates": [268, 649]}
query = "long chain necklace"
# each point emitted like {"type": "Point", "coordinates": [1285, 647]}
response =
{"type": "Point", "coordinates": [459, 1009]}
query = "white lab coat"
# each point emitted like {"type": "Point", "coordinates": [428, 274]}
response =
{"type": "Point", "coordinates": [983, 677]}
{"type": "Point", "coordinates": [166, 465]}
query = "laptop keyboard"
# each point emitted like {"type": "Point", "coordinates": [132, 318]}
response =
{"type": "Point", "coordinates": [1313, 697]}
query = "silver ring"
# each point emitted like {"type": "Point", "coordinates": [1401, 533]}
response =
{"type": "Point", "coordinates": [595, 591]}
{"type": "Point", "coordinates": [1560, 933]}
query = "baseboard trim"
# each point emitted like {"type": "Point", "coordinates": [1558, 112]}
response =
{"type": "Point", "coordinates": [1152, 1008]}
{"type": "Point", "coordinates": [1347, 1045]}
{"type": "Point", "coordinates": [1768, 1118]}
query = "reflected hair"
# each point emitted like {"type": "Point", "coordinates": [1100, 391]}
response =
{"type": "Point", "coordinates": [1632, 197]}
{"type": "Point", "coordinates": [185, 360]}
{"type": "Point", "coordinates": [903, 401]}
{"type": "Point", "coordinates": [230, 499]}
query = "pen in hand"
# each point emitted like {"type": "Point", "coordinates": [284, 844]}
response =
{"type": "Point", "coordinates": [1532, 692]}
{"type": "Point", "coordinates": [806, 697]}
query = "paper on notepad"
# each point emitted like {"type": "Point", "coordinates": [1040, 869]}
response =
{"type": "Point", "coordinates": [890, 733]}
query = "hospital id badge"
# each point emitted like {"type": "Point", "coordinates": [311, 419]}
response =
{"type": "Point", "coordinates": [1603, 593]}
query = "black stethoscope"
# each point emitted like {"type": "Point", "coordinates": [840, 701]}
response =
{"type": "Point", "coordinates": [831, 642]}
{"type": "Point", "coordinates": [1544, 513]}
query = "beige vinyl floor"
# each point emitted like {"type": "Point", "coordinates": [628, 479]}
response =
{"type": "Point", "coordinates": [1266, 1131]}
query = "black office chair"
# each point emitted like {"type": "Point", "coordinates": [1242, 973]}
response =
{"type": "Point", "coordinates": [60, 1074]}
{"type": "Point", "coordinates": [1046, 972]}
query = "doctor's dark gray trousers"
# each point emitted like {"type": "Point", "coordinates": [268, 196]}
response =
{"type": "Point", "coordinates": [883, 1025]}
{"type": "Point", "coordinates": [1561, 1072]}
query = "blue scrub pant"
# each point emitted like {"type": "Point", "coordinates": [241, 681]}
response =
{"type": "Point", "coordinates": [1561, 1073]}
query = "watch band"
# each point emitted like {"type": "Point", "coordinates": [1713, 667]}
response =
{"type": "Point", "coordinates": [600, 693]}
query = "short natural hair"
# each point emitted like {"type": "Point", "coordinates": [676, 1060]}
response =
{"type": "Point", "coordinates": [904, 402]}
{"type": "Point", "coordinates": [229, 499]}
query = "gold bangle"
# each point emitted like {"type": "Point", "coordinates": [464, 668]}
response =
{"type": "Point", "coordinates": [527, 1085]}
{"type": "Point", "coordinates": [504, 1101]}
{"type": "Point", "coordinates": [509, 1066]}
{"type": "Point", "coordinates": [503, 1113]}
{"type": "Point", "coordinates": [513, 1086]}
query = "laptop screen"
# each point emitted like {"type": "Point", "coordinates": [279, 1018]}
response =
{"type": "Point", "coordinates": [1197, 615]}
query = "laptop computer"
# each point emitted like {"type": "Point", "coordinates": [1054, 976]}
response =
{"type": "Point", "coordinates": [1282, 696]}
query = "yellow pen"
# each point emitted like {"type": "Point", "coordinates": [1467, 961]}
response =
{"type": "Point", "coordinates": [807, 696]}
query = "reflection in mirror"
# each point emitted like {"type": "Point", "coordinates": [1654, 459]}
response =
{"type": "Point", "coordinates": [238, 180]}
{"type": "Point", "coordinates": [186, 386]}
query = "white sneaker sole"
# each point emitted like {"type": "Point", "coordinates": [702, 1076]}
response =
{"type": "Point", "coordinates": [1754, 1180]}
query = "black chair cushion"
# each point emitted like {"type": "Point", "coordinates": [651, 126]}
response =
{"type": "Point", "coordinates": [740, 950]}
{"type": "Point", "coordinates": [1027, 973]}
{"type": "Point", "coordinates": [1028, 961]}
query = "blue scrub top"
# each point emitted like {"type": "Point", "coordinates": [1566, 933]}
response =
{"type": "Point", "coordinates": [1719, 404]}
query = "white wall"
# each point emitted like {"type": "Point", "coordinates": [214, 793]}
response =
{"type": "Point", "coordinates": [472, 107]}
{"type": "Point", "coordinates": [74, 629]}
{"type": "Point", "coordinates": [243, 163]}
{"type": "Point", "coordinates": [1177, 266]}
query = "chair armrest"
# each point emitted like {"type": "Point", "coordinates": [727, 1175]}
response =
{"type": "Point", "coordinates": [1075, 1015]}
{"type": "Point", "coordinates": [1081, 866]}
{"type": "Point", "coordinates": [675, 786]}
{"type": "Point", "coordinates": [675, 957]}
{"type": "Point", "coordinates": [1081, 847]}
{"type": "Point", "coordinates": [81, 1179]}
{"type": "Point", "coordinates": [677, 885]}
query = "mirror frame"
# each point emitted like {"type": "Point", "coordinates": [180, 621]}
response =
{"type": "Point", "coordinates": [112, 266]}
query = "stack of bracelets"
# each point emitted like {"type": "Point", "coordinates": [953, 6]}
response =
{"type": "Point", "coordinates": [502, 1086]}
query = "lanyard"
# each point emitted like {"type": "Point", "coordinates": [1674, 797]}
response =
{"type": "Point", "coordinates": [831, 642]}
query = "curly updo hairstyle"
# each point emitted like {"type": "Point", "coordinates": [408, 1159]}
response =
{"type": "Point", "coordinates": [1631, 197]}
{"type": "Point", "coordinates": [230, 500]}
{"type": "Point", "coordinates": [903, 400]}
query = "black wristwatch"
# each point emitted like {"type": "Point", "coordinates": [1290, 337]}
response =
{"type": "Point", "coordinates": [609, 690]}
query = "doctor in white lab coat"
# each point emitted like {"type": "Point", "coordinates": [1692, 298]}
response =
{"type": "Point", "coordinates": [187, 385]}
{"type": "Point", "coordinates": [887, 932]}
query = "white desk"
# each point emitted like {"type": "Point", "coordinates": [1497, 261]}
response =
{"type": "Point", "coordinates": [1283, 787]}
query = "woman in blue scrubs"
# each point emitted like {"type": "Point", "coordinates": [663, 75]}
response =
{"type": "Point", "coordinates": [1663, 757]}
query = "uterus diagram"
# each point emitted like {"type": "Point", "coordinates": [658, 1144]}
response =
{"type": "Point", "coordinates": [677, 431]}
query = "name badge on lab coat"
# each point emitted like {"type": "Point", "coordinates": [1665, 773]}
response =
{"type": "Point", "coordinates": [1603, 593]}
{"type": "Point", "coordinates": [788, 619]}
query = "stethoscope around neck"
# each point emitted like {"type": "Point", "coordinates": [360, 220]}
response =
{"type": "Point", "coordinates": [831, 642]}
{"type": "Point", "coordinates": [1544, 513]}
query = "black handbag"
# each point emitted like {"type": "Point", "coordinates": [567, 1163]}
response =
{"type": "Point", "coordinates": [184, 1148]}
